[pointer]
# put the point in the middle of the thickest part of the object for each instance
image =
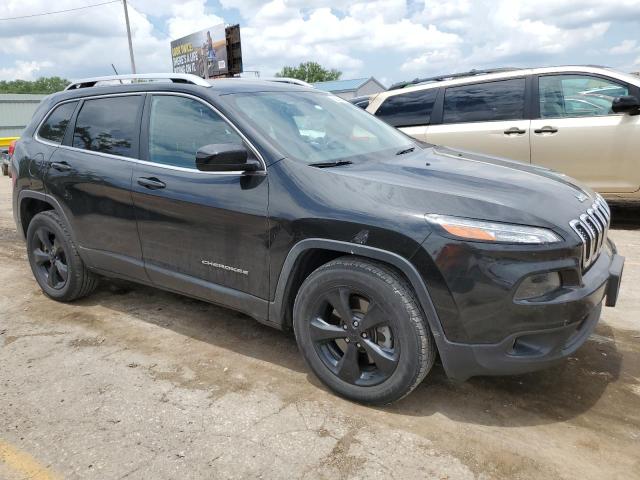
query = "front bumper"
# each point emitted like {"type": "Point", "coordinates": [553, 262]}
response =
{"type": "Point", "coordinates": [532, 350]}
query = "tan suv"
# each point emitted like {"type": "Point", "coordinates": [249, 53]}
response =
{"type": "Point", "coordinates": [582, 121]}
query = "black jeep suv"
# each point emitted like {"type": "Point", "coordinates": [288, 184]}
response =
{"type": "Point", "coordinates": [307, 213]}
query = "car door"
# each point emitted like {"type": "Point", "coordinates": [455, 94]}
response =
{"type": "Point", "coordinates": [486, 117]}
{"type": "Point", "coordinates": [202, 233]}
{"type": "Point", "coordinates": [89, 176]}
{"type": "Point", "coordinates": [578, 134]}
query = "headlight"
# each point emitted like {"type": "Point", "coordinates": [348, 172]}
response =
{"type": "Point", "coordinates": [481, 230]}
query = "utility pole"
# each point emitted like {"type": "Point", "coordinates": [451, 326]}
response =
{"type": "Point", "coordinates": [126, 19]}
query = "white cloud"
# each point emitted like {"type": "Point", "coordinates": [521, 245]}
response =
{"type": "Point", "coordinates": [78, 43]}
{"type": "Point", "coordinates": [188, 17]}
{"type": "Point", "coordinates": [390, 10]}
{"type": "Point", "coordinates": [579, 13]}
{"type": "Point", "coordinates": [384, 38]}
{"type": "Point", "coordinates": [435, 11]}
{"type": "Point", "coordinates": [432, 61]}
{"type": "Point", "coordinates": [279, 33]}
{"type": "Point", "coordinates": [23, 70]}
{"type": "Point", "coordinates": [624, 47]}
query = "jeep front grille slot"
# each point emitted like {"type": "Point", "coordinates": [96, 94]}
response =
{"type": "Point", "coordinates": [592, 228]}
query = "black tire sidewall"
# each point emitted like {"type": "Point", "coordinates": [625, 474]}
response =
{"type": "Point", "coordinates": [46, 220]}
{"type": "Point", "coordinates": [403, 378]}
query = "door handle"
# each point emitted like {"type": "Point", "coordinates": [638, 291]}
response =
{"type": "Point", "coordinates": [61, 166]}
{"type": "Point", "coordinates": [546, 130]}
{"type": "Point", "coordinates": [151, 183]}
{"type": "Point", "coordinates": [514, 131]}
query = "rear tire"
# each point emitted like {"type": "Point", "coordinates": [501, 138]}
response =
{"type": "Point", "coordinates": [383, 350]}
{"type": "Point", "coordinates": [54, 259]}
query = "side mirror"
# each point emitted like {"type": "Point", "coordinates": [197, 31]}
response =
{"type": "Point", "coordinates": [225, 157]}
{"type": "Point", "coordinates": [626, 104]}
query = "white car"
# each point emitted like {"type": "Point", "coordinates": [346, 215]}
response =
{"type": "Point", "coordinates": [582, 121]}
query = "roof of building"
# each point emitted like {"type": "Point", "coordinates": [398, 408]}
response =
{"type": "Point", "coordinates": [342, 85]}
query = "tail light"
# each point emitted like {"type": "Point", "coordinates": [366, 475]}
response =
{"type": "Point", "coordinates": [12, 148]}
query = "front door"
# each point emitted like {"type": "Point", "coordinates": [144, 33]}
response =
{"type": "Point", "coordinates": [579, 135]}
{"type": "Point", "coordinates": [89, 175]}
{"type": "Point", "coordinates": [202, 233]}
{"type": "Point", "coordinates": [486, 118]}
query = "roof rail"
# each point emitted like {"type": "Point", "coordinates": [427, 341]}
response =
{"type": "Point", "coordinates": [174, 77]}
{"type": "Point", "coordinates": [441, 78]}
{"type": "Point", "coordinates": [292, 81]}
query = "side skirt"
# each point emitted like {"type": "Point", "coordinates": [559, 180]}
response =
{"type": "Point", "coordinates": [118, 266]}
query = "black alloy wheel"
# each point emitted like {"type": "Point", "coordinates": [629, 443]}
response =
{"type": "Point", "coordinates": [362, 331]}
{"type": "Point", "coordinates": [353, 337]}
{"type": "Point", "coordinates": [50, 259]}
{"type": "Point", "coordinates": [55, 260]}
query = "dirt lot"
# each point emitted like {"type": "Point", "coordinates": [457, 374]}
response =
{"type": "Point", "coordinates": [137, 383]}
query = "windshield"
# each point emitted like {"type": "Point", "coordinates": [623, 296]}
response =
{"type": "Point", "coordinates": [317, 128]}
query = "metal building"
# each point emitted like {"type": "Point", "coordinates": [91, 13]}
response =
{"type": "Point", "coordinates": [16, 111]}
{"type": "Point", "coordinates": [348, 89]}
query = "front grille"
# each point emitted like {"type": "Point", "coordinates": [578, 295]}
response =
{"type": "Point", "coordinates": [592, 228]}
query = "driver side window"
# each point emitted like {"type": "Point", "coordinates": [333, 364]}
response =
{"type": "Point", "coordinates": [577, 96]}
{"type": "Point", "coordinates": [179, 126]}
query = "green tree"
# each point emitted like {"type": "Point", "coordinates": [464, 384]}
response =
{"type": "Point", "coordinates": [309, 72]}
{"type": "Point", "coordinates": [41, 85]}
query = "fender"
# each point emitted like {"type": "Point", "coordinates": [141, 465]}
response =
{"type": "Point", "coordinates": [45, 198]}
{"type": "Point", "coordinates": [276, 307]}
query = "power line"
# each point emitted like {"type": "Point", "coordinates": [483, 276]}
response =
{"type": "Point", "coordinates": [59, 11]}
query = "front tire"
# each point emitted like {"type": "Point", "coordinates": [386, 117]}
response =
{"type": "Point", "coordinates": [54, 259]}
{"type": "Point", "coordinates": [362, 332]}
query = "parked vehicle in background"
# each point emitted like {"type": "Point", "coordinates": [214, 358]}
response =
{"type": "Point", "coordinates": [362, 101]}
{"type": "Point", "coordinates": [295, 207]}
{"type": "Point", "coordinates": [582, 121]}
{"type": "Point", "coordinates": [7, 145]}
{"type": "Point", "coordinates": [4, 161]}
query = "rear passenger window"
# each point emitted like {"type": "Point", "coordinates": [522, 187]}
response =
{"type": "Point", "coordinates": [179, 127]}
{"type": "Point", "coordinates": [485, 102]}
{"type": "Point", "coordinates": [108, 125]}
{"type": "Point", "coordinates": [408, 109]}
{"type": "Point", "coordinates": [56, 124]}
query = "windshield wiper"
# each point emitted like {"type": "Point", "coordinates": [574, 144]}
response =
{"type": "Point", "coordinates": [406, 150]}
{"type": "Point", "coordinates": [330, 164]}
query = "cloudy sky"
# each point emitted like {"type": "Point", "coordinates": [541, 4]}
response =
{"type": "Point", "coordinates": [389, 39]}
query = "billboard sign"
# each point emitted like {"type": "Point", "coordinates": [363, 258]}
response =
{"type": "Point", "coordinates": [206, 49]}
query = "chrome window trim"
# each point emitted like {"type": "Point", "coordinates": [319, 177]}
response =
{"type": "Point", "coordinates": [255, 151]}
{"type": "Point", "coordinates": [36, 135]}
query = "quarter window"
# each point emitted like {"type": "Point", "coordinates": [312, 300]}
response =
{"type": "Point", "coordinates": [485, 102]}
{"type": "Point", "coordinates": [577, 96]}
{"type": "Point", "coordinates": [179, 127]}
{"type": "Point", "coordinates": [55, 126]}
{"type": "Point", "coordinates": [108, 125]}
{"type": "Point", "coordinates": [408, 109]}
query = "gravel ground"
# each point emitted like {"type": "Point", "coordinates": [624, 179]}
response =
{"type": "Point", "coordinates": [137, 383]}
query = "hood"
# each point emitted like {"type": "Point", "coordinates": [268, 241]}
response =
{"type": "Point", "coordinates": [453, 182]}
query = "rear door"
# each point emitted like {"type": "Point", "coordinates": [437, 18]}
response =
{"type": "Point", "coordinates": [202, 233]}
{"type": "Point", "coordinates": [89, 175]}
{"type": "Point", "coordinates": [578, 134]}
{"type": "Point", "coordinates": [410, 111]}
{"type": "Point", "coordinates": [488, 117]}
